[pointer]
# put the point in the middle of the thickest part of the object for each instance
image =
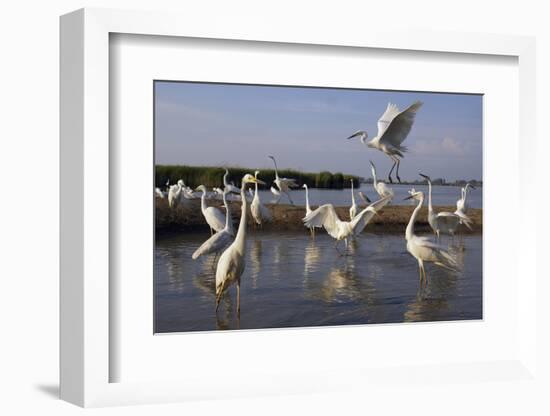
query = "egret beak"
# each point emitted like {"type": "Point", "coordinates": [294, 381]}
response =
{"type": "Point", "coordinates": [258, 181]}
{"type": "Point", "coordinates": [425, 176]}
{"type": "Point", "coordinates": [409, 197]}
{"type": "Point", "coordinates": [473, 187]}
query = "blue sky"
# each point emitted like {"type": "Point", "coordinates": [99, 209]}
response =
{"type": "Point", "coordinates": [305, 128]}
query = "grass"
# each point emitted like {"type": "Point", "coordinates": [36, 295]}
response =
{"type": "Point", "coordinates": [212, 176]}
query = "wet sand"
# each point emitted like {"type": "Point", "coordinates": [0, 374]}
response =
{"type": "Point", "coordinates": [392, 219]}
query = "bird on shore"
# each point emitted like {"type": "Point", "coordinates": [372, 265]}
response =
{"type": "Point", "coordinates": [308, 209]}
{"type": "Point", "coordinates": [230, 186]}
{"type": "Point", "coordinates": [260, 213]}
{"type": "Point", "coordinates": [325, 216]}
{"type": "Point", "coordinates": [380, 187]}
{"type": "Point", "coordinates": [159, 193]}
{"type": "Point", "coordinates": [213, 216]}
{"type": "Point", "coordinates": [421, 248]}
{"type": "Point", "coordinates": [276, 192]}
{"type": "Point", "coordinates": [174, 193]}
{"type": "Point", "coordinates": [443, 222]}
{"type": "Point", "coordinates": [283, 184]}
{"type": "Point", "coordinates": [232, 261]}
{"type": "Point", "coordinates": [393, 128]}
{"type": "Point", "coordinates": [461, 207]}
{"type": "Point", "coordinates": [353, 209]}
{"type": "Point", "coordinates": [220, 240]}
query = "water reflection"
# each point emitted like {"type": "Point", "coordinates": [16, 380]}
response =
{"type": "Point", "coordinates": [312, 257]}
{"type": "Point", "coordinates": [255, 261]}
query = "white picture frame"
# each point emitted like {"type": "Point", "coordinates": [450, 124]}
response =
{"type": "Point", "coordinates": [85, 212]}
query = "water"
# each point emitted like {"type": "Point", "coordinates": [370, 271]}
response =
{"type": "Point", "coordinates": [291, 280]}
{"type": "Point", "coordinates": [441, 195]}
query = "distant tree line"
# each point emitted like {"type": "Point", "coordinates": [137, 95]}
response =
{"type": "Point", "coordinates": [212, 176]}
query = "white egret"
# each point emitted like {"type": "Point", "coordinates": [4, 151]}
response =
{"type": "Point", "coordinates": [259, 211]}
{"type": "Point", "coordinates": [276, 192]}
{"type": "Point", "coordinates": [218, 191]}
{"type": "Point", "coordinates": [326, 216]}
{"type": "Point", "coordinates": [421, 248]}
{"type": "Point", "coordinates": [461, 207]}
{"type": "Point", "coordinates": [353, 208]}
{"type": "Point", "coordinates": [442, 222]}
{"type": "Point", "coordinates": [284, 184]}
{"type": "Point", "coordinates": [308, 209]}
{"type": "Point", "coordinates": [174, 193]}
{"type": "Point", "coordinates": [219, 241]}
{"type": "Point", "coordinates": [213, 216]}
{"type": "Point", "coordinates": [381, 188]}
{"type": "Point", "coordinates": [232, 261]}
{"type": "Point", "coordinates": [159, 193]}
{"type": "Point", "coordinates": [393, 128]}
{"type": "Point", "coordinates": [230, 186]}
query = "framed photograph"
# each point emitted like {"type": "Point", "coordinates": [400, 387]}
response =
{"type": "Point", "coordinates": [250, 204]}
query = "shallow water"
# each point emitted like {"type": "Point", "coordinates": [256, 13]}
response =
{"type": "Point", "coordinates": [291, 280]}
{"type": "Point", "coordinates": [442, 195]}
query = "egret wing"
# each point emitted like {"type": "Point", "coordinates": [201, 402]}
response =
{"type": "Point", "coordinates": [384, 121]}
{"type": "Point", "coordinates": [400, 126]}
{"type": "Point", "coordinates": [448, 218]}
{"type": "Point", "coordinates": [325, 216]}
{"type": "Point", "coordinates": [214, 244]}
{"type": "Point", "coordinates": [361, 220]}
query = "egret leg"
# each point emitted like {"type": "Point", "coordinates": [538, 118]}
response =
{"type": "Point", "coordinates": [289, 198]}
{"type": "Point", "coordinates": [238, 298]}
{"type": "Point", "coordinates": [397, 170]}
{"type": "Point", "coordinates": [219, 298]}
{"type": "Point", "coordinates": [391, 170]}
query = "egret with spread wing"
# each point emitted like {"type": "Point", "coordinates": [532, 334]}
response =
{"type": "Point", "coordinates": [326, 216]}
{"type": "Point", "coordinates": [232, 261]}
{"type": "Point", "coordinates": [259, 211]}
{"type": "Point", "coordinates": [393, 128]}
{"type": "Point", "coordinates": [213, 216]}
{"type": "Point", "coordinates": [284, 184]}
{"type": "Point", "coordinates": [421, 248]}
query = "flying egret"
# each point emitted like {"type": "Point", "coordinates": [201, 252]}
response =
{"type": "Point", "coordinates": [393, 128]}
{"type": "Point", "coordinates": [174, 193]}
{"type": "Point", "coordinates": [308, 209]}
{"type": "Point", "coordinates": [353, 208]}
{"type": "Point", "coordinates": [213, 216]}
{"type": "Point", "coordinates": [461, 207]}
{"type": "Point", "coordinates": [221, 240]}
{"type": "Point", "coordinates": [283, 184]}
{"type": "Point", "coordinates": [421, 248]}
{"type": "Point", "coordinates": [232, 261]}
{"type": "Point", "coordinates": [380, 187]}
{"type": "Point", "coordinates": [230, 186]}
{"type": "Point", "coordinates": [442, 222]}
{"type": "Point", "coordinates": [276, 192]}
{"type": "Point", "coordinates": [325, 216]}
{"type": "Point", "coordinates": [259, 211]}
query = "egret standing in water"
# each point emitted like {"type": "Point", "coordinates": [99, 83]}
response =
{"type": "Point", "coordinates": [259, 211]}
{"type": "Point", "coordinates": [421, 248]}
{"type": "Point", "coordinates": [461, 207]}
{"type": "Point", "coordinates": [393, 128]}
{"type": "Point", "coordinates": [232, 261]}
{"type": "Point", "coordinates": [381, 188]}
{"type": "Point", "coordinates": [442, 222]}
{"type": "Point", "coordinates": [213, 216]}
{"type": "Point", "coordinates": [284, 184]}
{"type": "Point", "coordinates": [219, 241]}
{"type": "Point", "coordinates": [353, 208]}
{"type": "Point", "coordinates": [326, 216]}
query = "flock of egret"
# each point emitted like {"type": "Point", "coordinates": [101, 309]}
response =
{"type": "Point", "coordinates": [393, 128]}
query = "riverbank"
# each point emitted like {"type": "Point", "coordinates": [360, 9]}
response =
{"type": "Point", "coordinates": [392, 219]}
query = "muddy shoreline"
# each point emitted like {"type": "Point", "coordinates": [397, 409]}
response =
{"type": "Point", "coordinates": [392, 219]}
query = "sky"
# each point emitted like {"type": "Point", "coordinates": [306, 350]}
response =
{"type": "Point", "coordinates": [306, 129]}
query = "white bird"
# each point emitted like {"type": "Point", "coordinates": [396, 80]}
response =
{"type": "Point", "coordinates": [461, 207]}
{"type": "Point", "coordinates": [421, 248]}
{"type": "Point", "coordinates": [213, 216]}
{"type": "Point", "coordinates": [218, 191]}
{"type": "Point", "coordinates": [230, 186]}
{"type": "Point", "coordinates": [325, 216]}
{"type": "Point", "coordinates": [232, 261]}
{"type": "Point", "coordinates": [284, 184]}
{"type": "Point", "coordinates": [276, 192]}
{"type": "Point", "coordinates": [353, 208]}
{"type": "Point", "coordinates": [308, 209]}
{"type": "Point", "coordinates": [221, 240]}
{"type": "Point", "coordinates": [365, 198]}
{"type": "Point", "coordinates": [159, 193]}
{"type": "Point", "coordinates": [381, 188]}
{"type": "Point", "coordinates": [393, 128]}
{"type": "Point", "coordinates": [259, 211]}
{"type": "Point", "coordinates": [174, 193]}
{"type": "Point", "coordinates": [443, 222]}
